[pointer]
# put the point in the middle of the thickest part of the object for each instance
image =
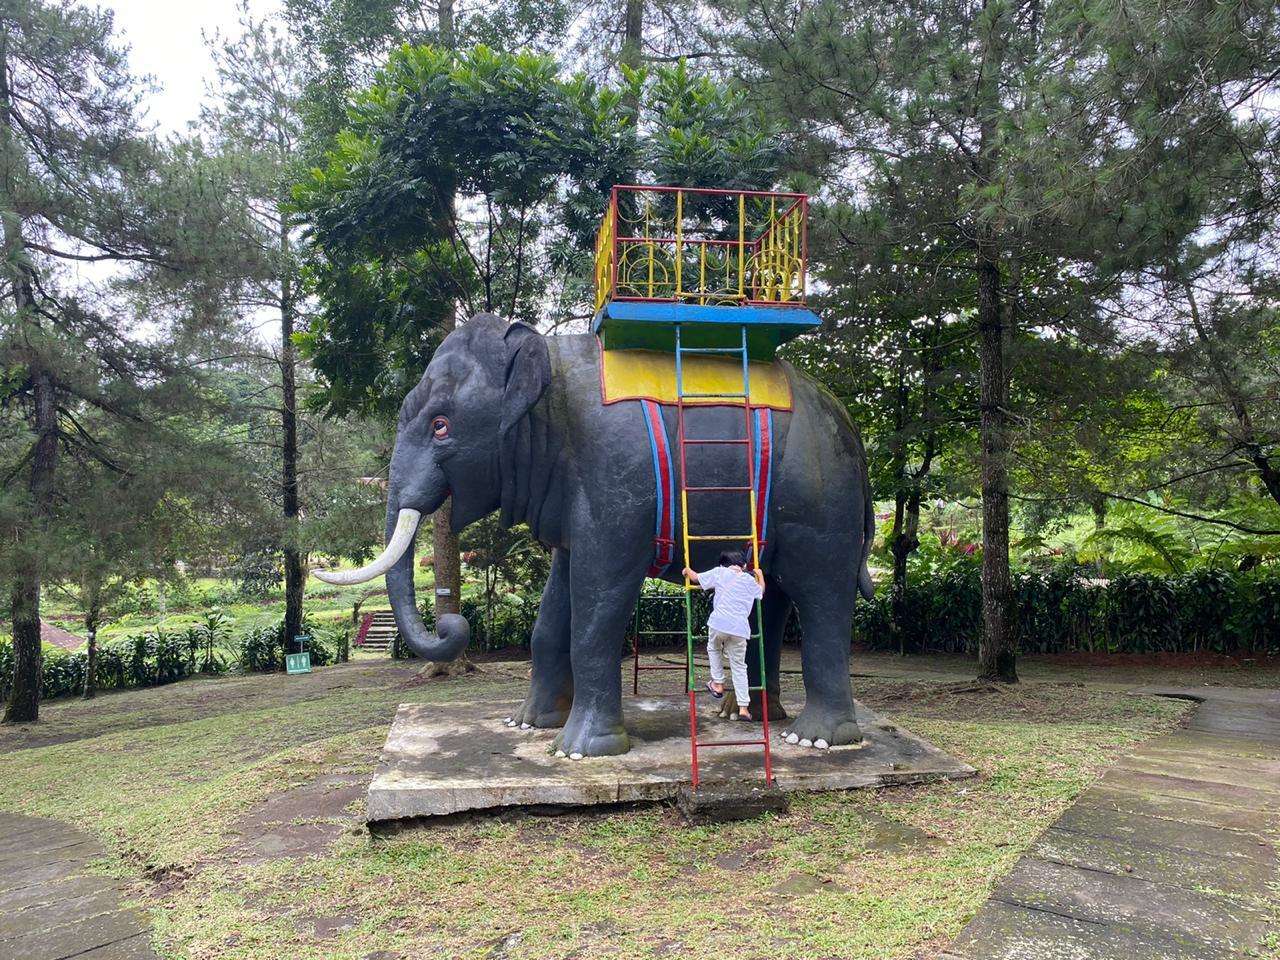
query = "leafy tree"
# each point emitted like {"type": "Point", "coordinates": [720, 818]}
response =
{"type": "Point", "coordinates": [133, 516]}
{"type": "Point", "coordinates": [509, 557]}
{"type": "Point", "coordinates": [503, 133]}
{"type": "Point", "coordinates": [79, 183]}
{"type": "Point", "coordinates": [343, 43]}
{"type": "Point", "coordinates": [1216, 356]}
{"type": "Point", "coordinates": [895, 351]}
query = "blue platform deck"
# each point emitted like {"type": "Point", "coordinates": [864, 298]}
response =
{"type": "Point", "coordinates": [646, 325]}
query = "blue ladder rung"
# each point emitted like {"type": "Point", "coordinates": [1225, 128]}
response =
{"type": "Point", "coordinates": [716, 396]}
{"type": "Point", "coordinates": [737, 350]}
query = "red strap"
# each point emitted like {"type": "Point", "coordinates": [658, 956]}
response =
{"type": "Point", "coordinates": [764, 458]}
{"type": "Point", "coordinates": [664, 544]}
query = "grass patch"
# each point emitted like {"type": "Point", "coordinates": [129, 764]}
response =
{"type": "Point", "coordinates": [169, 777]}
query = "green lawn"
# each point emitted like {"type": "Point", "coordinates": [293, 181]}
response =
{"type": "Point", "coordinates": [326, 604]}
{"type": "Point", "coordinates": [233, 805]}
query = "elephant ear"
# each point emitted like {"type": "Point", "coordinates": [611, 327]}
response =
{"type": "Point", "coordinates": [528, 372]}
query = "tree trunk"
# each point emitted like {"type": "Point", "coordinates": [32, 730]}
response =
{"type": "Point", "coordinates": [448, 565]}
{"type": "Point", "coordinates": [996, 653]}
{"type": "Point", "coordinates": [24, 700]}
{"type": "Point", "coordinates": [632, 52]}
{"type": "Point", "coordinates": [295, 575]}
{"type": "Point", "coordinates": [91, 649]}
{"type": "Point", "coordinates": [91, 665]}
{"type": "Point", "coordinates": [444, 21]}
{"type": "Point", "coordinates": [905, 541]}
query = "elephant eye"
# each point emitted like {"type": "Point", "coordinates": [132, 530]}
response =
{"type": "Point", "coordinates": [440, 427]}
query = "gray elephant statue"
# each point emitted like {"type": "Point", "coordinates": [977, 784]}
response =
{"type": "Point", "coordinates": [507, 419]}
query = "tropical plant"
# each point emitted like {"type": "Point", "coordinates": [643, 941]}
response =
{"type": "Point", "coordinates": [213, 629]}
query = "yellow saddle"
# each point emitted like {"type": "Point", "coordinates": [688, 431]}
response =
{"type": "Point", "coordinates": [651, 375]}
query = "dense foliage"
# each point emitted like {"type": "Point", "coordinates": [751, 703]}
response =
{"type": "Point", "coordinates": [159, 657]}
{"type": "Point", "coordinates": [1042, 234]}
{"type": "Point", "coordinates": [1064, 611]}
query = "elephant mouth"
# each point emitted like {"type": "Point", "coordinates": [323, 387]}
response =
{"type": "Point", "coordinates": [407, 521]}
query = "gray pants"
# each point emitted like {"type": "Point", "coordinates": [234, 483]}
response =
{"type": "Point", "coordinates": [721, 644]}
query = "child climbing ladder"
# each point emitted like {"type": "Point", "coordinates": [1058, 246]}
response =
{"type": "Point", "coordinates": [734, 593]}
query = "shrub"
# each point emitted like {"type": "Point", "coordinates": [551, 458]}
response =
{"type": "Point", "coordinates": [143, 660]}
{"type": "Point", "coordinates": [263, 649]}
{"type": "Point", "coordinates": [1062, 611]}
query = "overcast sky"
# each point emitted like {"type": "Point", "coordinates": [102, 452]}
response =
{"type": "Point", "coordinates": [165, 40]}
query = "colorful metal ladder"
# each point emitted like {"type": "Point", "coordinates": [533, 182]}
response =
{"type": "Point", "coordinates": [653, 599]}
{"type": "Point", "coordinates": [753, 537]}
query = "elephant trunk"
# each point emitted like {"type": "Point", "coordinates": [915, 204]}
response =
{"type": "Point", "coordinates": [453, 632]}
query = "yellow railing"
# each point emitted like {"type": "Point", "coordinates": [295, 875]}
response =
{"type": "Point", "coordinates": [716, 247]}
{"type": "Point", "coordinates": [605, 253]}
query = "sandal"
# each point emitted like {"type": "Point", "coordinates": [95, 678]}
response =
{"type": "Point", "coordinates": [712, 690]}
{"type": "Point", "coordinates": [744, 717]}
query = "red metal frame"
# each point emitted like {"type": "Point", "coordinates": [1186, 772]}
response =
{"type": "Point", "coordinates": [637, 666]}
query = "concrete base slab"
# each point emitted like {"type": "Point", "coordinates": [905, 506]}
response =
{"type": "Point", "coordinates": [453, 757]}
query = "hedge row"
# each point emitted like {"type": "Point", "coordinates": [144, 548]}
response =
{"type": "Point", "coordinates": [1061, 611]}
{"type": "Point", "coordinates": [1056, 612]}
{"type": "Point", "coordinates": [154, 659]}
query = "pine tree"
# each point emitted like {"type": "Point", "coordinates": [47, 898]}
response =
{"type": "Point", "coordinates": [255, 120]}
{"type": "Point", "coordinates": [1048, 138]}
{"type": "Point", "coordinates": [80, 183]}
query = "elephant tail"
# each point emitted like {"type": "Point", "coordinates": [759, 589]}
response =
{"type": "Point", "coordinates": [865, 586]}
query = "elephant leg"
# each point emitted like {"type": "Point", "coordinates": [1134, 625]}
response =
{"type": "Point", "coordinates": [603, 597]}
{"type": "Point", "coordinates": [551, 686]}
{"type": "Point", "coordinates": [826, 616]}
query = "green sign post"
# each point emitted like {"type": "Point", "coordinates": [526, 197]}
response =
{"type": "Point", "coordinates": [299, 662]}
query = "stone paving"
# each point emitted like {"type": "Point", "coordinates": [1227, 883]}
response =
{"type": "Point", "coordinates": [51, 907]}
{"type": "Point", "coordinates": [1169, 856]}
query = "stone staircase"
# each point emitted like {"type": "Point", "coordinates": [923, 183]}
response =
{"type": "Point", "coordinates": [381, 632]}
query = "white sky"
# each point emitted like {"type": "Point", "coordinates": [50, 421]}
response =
{"type": "Point", "coordinates": [165, 41]}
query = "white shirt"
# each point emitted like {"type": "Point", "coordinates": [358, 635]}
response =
{"type": "Point", "coordinates": [736, 591]}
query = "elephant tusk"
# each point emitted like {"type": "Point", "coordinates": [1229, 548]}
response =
{"type": "Point", "coordinates": [406, 527]}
